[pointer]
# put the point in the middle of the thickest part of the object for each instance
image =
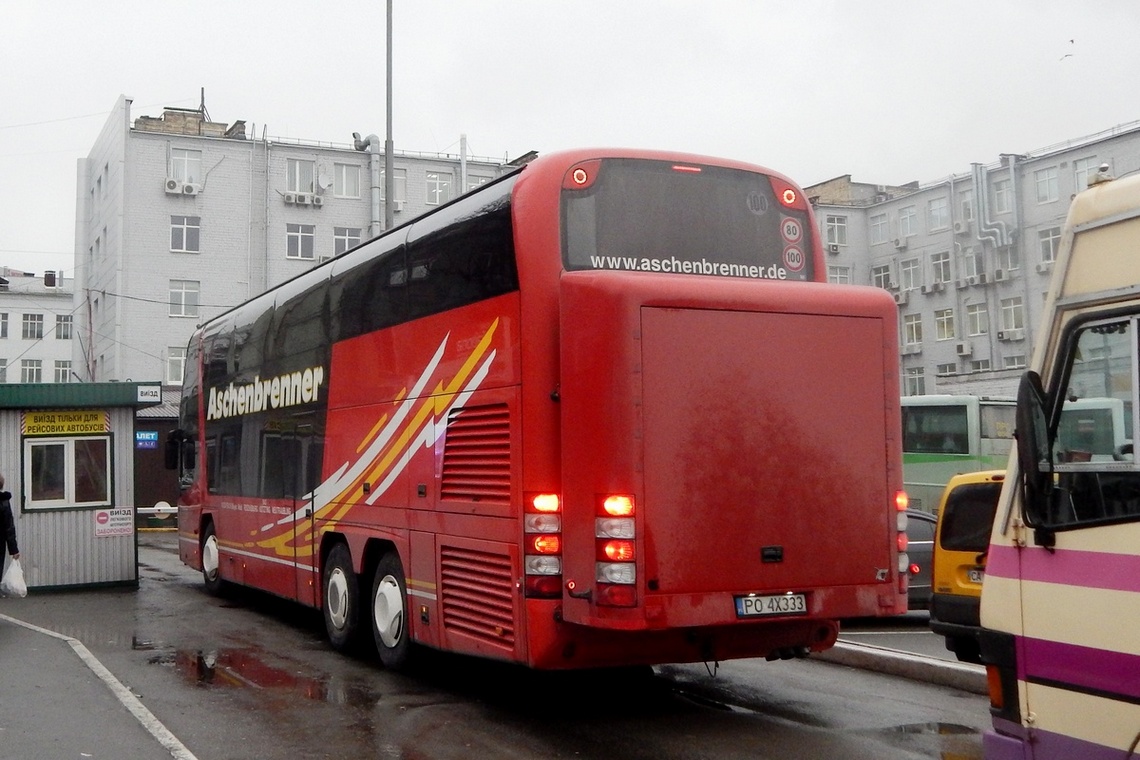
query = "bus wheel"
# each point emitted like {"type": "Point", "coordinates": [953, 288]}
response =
{"type": "Point", "coordinates": [341, 600]}
{"type": "Point", "coordinates": [211, 575]}
{"type": "Point", "coordinates": [390, 613]}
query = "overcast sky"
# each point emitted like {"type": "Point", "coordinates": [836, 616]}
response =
{"type": "Point", "coordinates": [887, 91]}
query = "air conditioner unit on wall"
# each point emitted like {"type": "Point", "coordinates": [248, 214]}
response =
{"type": "Point", "coordinates": [1044, 267]}
{"type": "Point", "coordinates": [900, 243]}
{"type": "Point", "coordinates": [191, 189]}
{"type": "Point", "coordinates": [832, 248]}
{"type": "Point", "coordinates": [173, 186]}
{"type": "Point", "coordinates": [318, 200]}
{"type": "Point", "coordinates": [303, 199]}
{"type": "Point", "coordinates": [290, 197]}
{"type": "Point", "coordinates": [397, 205]}
{"type": "Point", "coordinates": [1000, 275]}
{"type": "Point", "coordinates": [961, 228]}
{"type": "Point", "coordinates": [964, 348]}
{"type": "Point", "coordinates": [900, 297]}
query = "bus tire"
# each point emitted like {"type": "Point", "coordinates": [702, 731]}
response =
{"type": "Point", "coordinates": [390, 613]}
{"type": "Point", "coordinates": [211, 562]}
{"type": "Point", "coordinates": [341, 600]}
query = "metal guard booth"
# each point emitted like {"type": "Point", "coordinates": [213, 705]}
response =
{"type": "Point", "coordinates": [67, 454]}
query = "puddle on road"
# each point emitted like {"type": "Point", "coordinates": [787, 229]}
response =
{"type": "Point", "coordinates": [940, 729]}
{"type": "Point", "coordinates": [243, 668]}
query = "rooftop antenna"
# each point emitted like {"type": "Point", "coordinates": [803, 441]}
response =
{"type": "Point", "coordinates": [202, 107]}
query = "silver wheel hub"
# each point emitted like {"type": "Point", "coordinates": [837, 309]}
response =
{"type": "Point", "coordinates": [210, 557]}
{"type": "Point", "coordinates": [336, 597]}
{"type": "Point", "coordinates": [388, 611]}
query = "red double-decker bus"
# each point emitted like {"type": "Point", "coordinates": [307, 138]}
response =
{"type": "Point", "coordinates": [601, 411]}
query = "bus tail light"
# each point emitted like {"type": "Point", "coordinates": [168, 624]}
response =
{"type": "Point", "coordinates": [542, 558]}
{"type": "Point", "coordinates": [902, 501]}
{"type": "Point", "coordinates": [615, 568]}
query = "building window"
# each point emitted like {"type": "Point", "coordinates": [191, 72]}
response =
{"type": "Point", "coordinates": [175, 364]}
{"type": "Point", "coordinates": [33, 328]}
{"type": "Point", "coordinates": [1003, 197]}
{"type": "Point", "coordinates": [977, 319]}
{"type": "Point", "coordinates": [880, 232]}
{"type": "Point", "coordinates": [914, 382]}
{"type": "Point", "coordinates": [4, 325]}
{"type": "Point", "coordinates": [346, 180]}
{"type": "Point", "coordinates": [946, 369]}
{"type": "Point", "coordinates": [839, 275]}
{"type": "Point", "coordinates": [944, 324]}
{"type": "Point", "coordinates": [971, 263]}
{"type": "Point", "coordinates": [345, 238]}
{"type": "Point", "coordinates": [31, 371]}
{"type": "Point", "coordinates": [908, 221]}
{"type": "Point", "coordinates": [836, 230]}
{"type": "Point", "coordinates": [63, 371]}
{"type": "Point", "coordinates": [299, 175]}
{"type": "Point", "coordinates": [1009, 258]}
{"type": "Point", "coordinates": [966, 204]}
{"type": "Point", "coordinates": [474, 181]}
{"type": "Point", "coordinates": [1017, 361]}
{"type": "Point", "coordinates": [881, 276]}
{"type": "Point", "coordinates": [63, 326]}
{"type": "Point", "coordinates": [3, 370]}
{"type": "Point", "coordinates": [940, 266]}
{"type": "Point", "coordinates": [1082, 168]}
{"type": "Point", "coordinates": [980, 365]}
{"type": "Point", "coordinates": [299, 240]}
{"type": "Point", "coordinates": [186, 165]}
{"type": "Point", "coordinates": [185, 232]}
{"type": "Point", "coordinates": [910, 274]}
{"type": "Point", "coordinates": [1012, 313]}
{"type": "Point", "coordinates": [912, 329]}
{"type": "Point", "coordinates": [1046, 181]}
{"type": "Point", "coordinates": [438, 188]}
{"type": "Point", "coordinates": [67, 472]}
{"type": "Point", "coordinates": [937, 214]}
{"type": "Point", "coordinates": [399, 185]}
{"type": "Point", "coordinates": [1048, 241]}
{"type": "Point", "coordinates": [184, 298]}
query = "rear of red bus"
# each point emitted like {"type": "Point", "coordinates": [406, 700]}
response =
{"type": "Point", "coordinates": [711, 463]}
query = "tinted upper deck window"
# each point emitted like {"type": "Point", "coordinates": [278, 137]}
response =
{"type": "Point", "coordinates": [657, 216]}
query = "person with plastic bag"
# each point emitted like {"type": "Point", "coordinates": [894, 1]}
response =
{"type": "Point", "coordinates": [12, 582]}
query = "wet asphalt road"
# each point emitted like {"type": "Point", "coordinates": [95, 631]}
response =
{"type": "Point", "coordinates": [249, 676]}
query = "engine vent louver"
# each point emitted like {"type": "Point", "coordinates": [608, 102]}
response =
{"type": "Point", "coordinates": [477, 455]}
{"type": "Point", "coordinates": [477, 595]}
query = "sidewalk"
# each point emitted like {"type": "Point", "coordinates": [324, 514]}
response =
{"type": "Point", "coordinates": [61, 703]}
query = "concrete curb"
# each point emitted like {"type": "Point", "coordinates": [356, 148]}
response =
{"type": "Point", "coordinates": [957, 675]}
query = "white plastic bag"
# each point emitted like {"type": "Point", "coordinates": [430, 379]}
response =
{"type": "Point", "coordinates": [12, 584]}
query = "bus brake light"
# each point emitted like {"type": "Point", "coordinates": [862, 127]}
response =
{"type": "Point", "coordinates": [546, 543]}
{"type": "Point", "coordinates": [618, 551]}
{"type": "Point", "coordinates": [546, 502]}
{"type": "Point", "coordinates": [618, 505]}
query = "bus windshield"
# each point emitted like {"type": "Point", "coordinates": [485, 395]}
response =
{"type": "Point", "coordinates": [656, 216]}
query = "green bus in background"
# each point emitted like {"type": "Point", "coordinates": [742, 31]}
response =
{"type": "Point", "coordinates": [944, 435]}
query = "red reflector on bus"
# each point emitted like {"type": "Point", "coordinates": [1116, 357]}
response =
{"type": "Point", "coordinates": [616, 595]}
{"type": "Point", "coordinates": [901, 539]}
{"type": "Point", "coordinates": [544, 586]}
{"type": "Point", "coordinates": [914, 569]}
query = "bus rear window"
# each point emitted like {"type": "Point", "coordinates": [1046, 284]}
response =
{"type": "Point", "coordinates": [969, 514]}
{"type": "Point", "coordinates": [655, 216]}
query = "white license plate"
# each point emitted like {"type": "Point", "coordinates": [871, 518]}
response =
{"type": "Point", "coordinates": [776, 604]}
{"type": "Point", "coordinates": [975, 575]}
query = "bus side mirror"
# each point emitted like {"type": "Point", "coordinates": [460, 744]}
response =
{"type": "Point", "coordinates": [1034, 453]}
{"type": "Point", "coordinates": [173, 445]}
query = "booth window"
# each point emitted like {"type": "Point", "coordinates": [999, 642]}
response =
{"type": "Point", "coordinates": [67, 472]}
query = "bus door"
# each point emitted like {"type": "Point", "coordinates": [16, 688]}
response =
{"type": "Point", "coordinates": [1077, 657]}
{"type": "Point", "coordinates": [290, 472]}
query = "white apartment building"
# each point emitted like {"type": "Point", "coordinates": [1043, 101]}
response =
{"type": "Point", "coordinates": [36, 327]}
{"type": "Point", "coordinates": [179, 218]}
{"type": "Point", "coordinates": [968, 258]}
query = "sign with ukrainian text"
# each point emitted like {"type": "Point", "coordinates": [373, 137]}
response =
{"type": "Point", "coordinates": [65, 422]}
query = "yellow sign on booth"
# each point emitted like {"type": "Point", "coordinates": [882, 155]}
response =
{"type": "Point", "coordinates": [65, 422]}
